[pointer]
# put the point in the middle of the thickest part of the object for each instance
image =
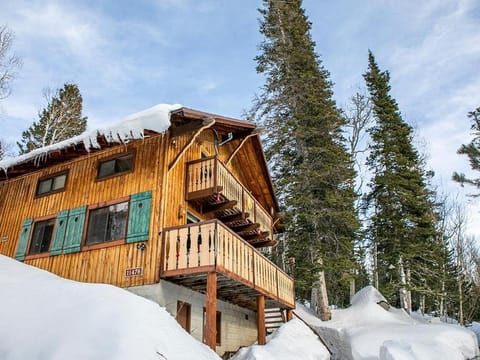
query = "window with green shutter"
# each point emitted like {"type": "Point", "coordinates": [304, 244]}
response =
{"type": "Point", "coordinates": [60, 230]}
{"type": "Point", "coordinates": [139, 217]}
{"type": "Point", "coordinates": [23, 239]}
{"type": "Point", "coordinates": [74, 231]}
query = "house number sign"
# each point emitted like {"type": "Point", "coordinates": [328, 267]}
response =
{"type": "Point", "coordinates": [138, 271]}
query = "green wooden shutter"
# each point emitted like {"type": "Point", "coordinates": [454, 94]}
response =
{"type": "Point", "coordinates": [139, 217]}
{"type": "Point", "coordinates": [74, 232]}
{"type": "Point", "coordinates": [23, 240]}
{"type": "Point", "coordinates": [60, 229]}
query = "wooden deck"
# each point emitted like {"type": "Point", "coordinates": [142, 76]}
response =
{"type": "Point", "coordinates": [193, 250]}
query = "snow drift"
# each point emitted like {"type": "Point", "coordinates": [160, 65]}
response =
{"type": "Point", "coordinates": [376, 333]}
{"type": "Point", "coordinates": [294, 340]}
{"type": "Point", "coordinates": [45, 317]}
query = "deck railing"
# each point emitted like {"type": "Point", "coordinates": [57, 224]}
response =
{"type": "Point", "coordinates": [209, 175]}
{"type": "Point", "coordinates": [199, 247]}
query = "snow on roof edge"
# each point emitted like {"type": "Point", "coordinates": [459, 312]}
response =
{"type": "Point", "coordinates": [156, 118]}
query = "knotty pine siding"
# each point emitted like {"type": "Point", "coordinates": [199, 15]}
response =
{"type": "Point", "coordinates": [106, 265]}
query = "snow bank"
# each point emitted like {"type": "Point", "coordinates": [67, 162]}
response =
{"type": "Point", "coordinates": [375, 333]}
{"type": "Point", "coordinates": [294, 340]}
{"type": "Point", "coordinates": [156, 118]}
{"type": "Point", "coordinates": [45, 317]}
{"type": "Point", "coordinates": [475, 327]}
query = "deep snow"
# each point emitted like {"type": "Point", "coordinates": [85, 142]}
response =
{"type": "Point", "coordinates": [45, 317]}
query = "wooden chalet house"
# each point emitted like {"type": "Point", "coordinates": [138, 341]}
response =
{"type": "Point", "coordinates": [171, 203]}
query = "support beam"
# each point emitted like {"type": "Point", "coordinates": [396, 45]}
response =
{"type": "Point", "coordinates": [262, 332]}
{"type": "Point", "coordinates": [218, 207]}
{"type": "Point", "coordinates": [211, 311]}
{"type": "Point", "coordinates": [244, 140]}
{"type": "Point", "coordinates": [289, 314]}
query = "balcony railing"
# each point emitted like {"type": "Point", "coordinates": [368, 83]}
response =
{"type": "Point", "coordinates": [209, 177]}
{"type": "Point", "coordinates": [207, 246]}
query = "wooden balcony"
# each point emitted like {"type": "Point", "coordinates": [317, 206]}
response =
{"type": "Point", "coordinates": [243, 273]}
{"type": "Point", "coordinates": [212, 188]}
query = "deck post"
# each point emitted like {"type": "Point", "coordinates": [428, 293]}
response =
{"type": "Point", "coordinates": [211, 311]}
{"type": "Point", "coordinates": [289, 314]}
{"type": "Point", "coordinates": [262, 335]}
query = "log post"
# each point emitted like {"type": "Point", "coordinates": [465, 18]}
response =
{"type": "Point", "coordinates": [289, 314]}
{"type": "Point", "coordinates": [211, 311]}
{"type": "Point", "coordinates": [262, 333]}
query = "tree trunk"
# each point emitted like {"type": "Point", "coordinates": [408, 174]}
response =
{"type": "Point", "coordinates": [404, 298]}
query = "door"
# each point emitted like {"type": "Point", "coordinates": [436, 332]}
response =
{"type": "Point", "coordinates": [184, 314]}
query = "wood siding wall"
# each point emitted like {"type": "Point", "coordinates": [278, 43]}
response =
{"type": "Point", "coordinates": [105, 265]}
{"type": "Point", "coordinates": [168, 205]}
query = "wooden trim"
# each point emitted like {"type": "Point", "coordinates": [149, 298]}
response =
{"type": "Point", "coordinates": [262, 333]}
{"type": "Point", "coordinates": [109, 203]}
{"type": "Point", "coordinates": [244, 140]}
{"type": "Point", "coordinates": [211, 311]}
{"type": "Point", "coordinates": [103, 245]}
{"type": "Point", "coordinates": [189, 271]}
{"type": "Point", "coordinates": [37, 256]}
{"type": "Point", "coordinates": [205, 125]}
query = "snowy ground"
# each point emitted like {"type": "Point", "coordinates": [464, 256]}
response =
{"type": "Point", "coordinates": [45, 317]}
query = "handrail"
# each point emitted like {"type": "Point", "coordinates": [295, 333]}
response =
{"type": "Point", "coordinates": [192, 247]}
{"type": "Point", "coordinates": [210, 172]}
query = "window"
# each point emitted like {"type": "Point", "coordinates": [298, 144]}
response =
{"type": "Point", "coordinates": [116, 166]}
{"type": "Point", "coordinates": [192, 219]}
{"type": "Point", "coordinates": [108, 223]}
{"type": "Point", "coordinates": [42, 237]}
{"type": "Point", "coordinates": [52, 184]}
{"type": "Point", "coordinates": [218, 321]}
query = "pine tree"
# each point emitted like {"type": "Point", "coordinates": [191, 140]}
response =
{"type": "Point", "coordinates": [61, 119]}
{"type": "Point", "coordinates": [472, 150]}
{"type": "Point", "coordinates": [2, 150]}
{"type": "Point", "coordinates": [311, 169]}
{"type": "Point", "coordinates": [402, 222]}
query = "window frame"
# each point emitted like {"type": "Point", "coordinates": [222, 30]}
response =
{"type": "Point", "coordinates": [29, 256]}
{"type": "Point", "coordinates": [105, 244]}
{"type": "Point", "coordinates": [48, 177]}
{"type": "Point", "coordinates": [115, 157]}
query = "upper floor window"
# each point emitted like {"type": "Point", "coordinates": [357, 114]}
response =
{"type": "Point", "coordinates": [108, 223]}
{"type": "Point", "coordinates": [115, 166]}
{"type": "Point", "coordinates": [42, 237]}
{"type": "Point", "coordinates": [52, 184]}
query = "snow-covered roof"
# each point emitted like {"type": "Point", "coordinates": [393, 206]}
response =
{"type": "Point", "coordinates": [156, 118]}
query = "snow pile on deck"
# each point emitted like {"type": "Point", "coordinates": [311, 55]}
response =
{"type": "Point", "coordinates": [294, 340]}
{"type": "Point", "coordinates": [376, 333]}
{"type": "Point", "coordinates": [45, 317]}
{"type": "Point", "coordinates": [156, 118]}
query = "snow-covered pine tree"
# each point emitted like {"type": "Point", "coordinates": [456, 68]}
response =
{"type": "Point", "coordinates": [59, 120]}
{"type": "Point", "coordinates": [312, 171]}
{"type": "Point", "coordinates": [402, 222]}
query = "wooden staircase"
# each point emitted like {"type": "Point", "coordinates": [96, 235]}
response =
{"type": "Point", "coordinates": [274, 318]}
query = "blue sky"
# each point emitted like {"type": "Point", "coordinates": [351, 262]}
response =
{"type": "Point", "coordinates": [127, 56]}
